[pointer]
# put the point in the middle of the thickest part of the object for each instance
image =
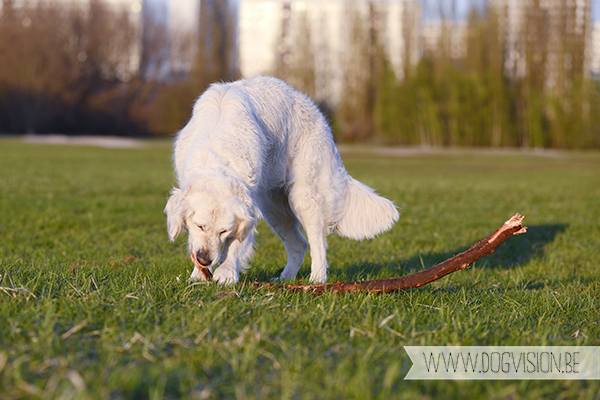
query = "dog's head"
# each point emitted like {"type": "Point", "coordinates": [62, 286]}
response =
{"type": "Point", "coordinates": [213, 212]}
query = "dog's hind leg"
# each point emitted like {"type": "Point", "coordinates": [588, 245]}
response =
{"type": "Point", "coordinates": [311, 218]}
{"type": "Point", "coordinates": [278, 214]}
{"type": "Point", "coordinates": [318, 251]}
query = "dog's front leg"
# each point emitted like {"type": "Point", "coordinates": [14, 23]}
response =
{"type": "Point", "coordinates": [318, 254]}
{"type": "Point", "coordinates": [226, 274]}
{"type": "Point", "coordinates": [231, 261]}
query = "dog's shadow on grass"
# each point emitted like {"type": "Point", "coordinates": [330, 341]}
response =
{"type": "Point", "coordinates": [516, 251]}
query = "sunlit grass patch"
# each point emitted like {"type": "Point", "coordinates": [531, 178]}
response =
{"type": "Point", "coordinates": [95, 303]}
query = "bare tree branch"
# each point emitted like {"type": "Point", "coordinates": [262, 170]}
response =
{"type": "Point", "coordinates": [482, 248]}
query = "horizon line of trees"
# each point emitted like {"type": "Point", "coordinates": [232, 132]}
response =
{"type": "Point", "coordinates": [68, 69]}
{"type": "Point", "coordinates": [527, 84]}
{"type": "Point", "coordinates": [91, 68]}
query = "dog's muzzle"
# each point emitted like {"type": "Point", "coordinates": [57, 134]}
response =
{"type": "Point", "coordinates": [205, 271]}
{"type": "Point", "coordinates": [203, 258]}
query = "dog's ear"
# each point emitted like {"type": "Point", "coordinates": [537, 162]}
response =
{"type": "Point", "coordinates": [244, 221]}
{"type": "Point", "coordinates": [243, 229]}
{"type": "Point", "coordinates": [175, 211]}
{"type": "Point", "coordinates": [245, 212]}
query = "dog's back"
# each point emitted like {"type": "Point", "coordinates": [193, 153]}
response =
{"type": "Point", "coordinates": [250, 123]}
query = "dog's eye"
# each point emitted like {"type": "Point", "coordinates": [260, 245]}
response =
{"type": "Point", "coordinates": [223, 232]}
{"type": "Point", "coordinates": [202, 228]}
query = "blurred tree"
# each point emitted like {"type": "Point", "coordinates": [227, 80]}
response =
{"type": "Point", "coordinates": [363, 67]}
{"type": "Point", "coordinates": [169, 102]}
{"type": "Point", "coordinates": [216, 61]}
{"type": "Point", "coordinates": [32, 74]}
{"type": "Point", "coordinates": [68, 68]}
{"type": "Point", "coordinates": [295, 58]}
{"type": "Point", "coordinates": [154, 52]}
{"type": "Point", "coordinates": [217, 51]}
{"type": "Point", "coordinates": [544, 99]}
{"type": "Point", "coordinates": [59, 62]}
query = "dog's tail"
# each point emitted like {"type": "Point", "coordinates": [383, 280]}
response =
{"type": "Point", "coordinates": [366, 214]}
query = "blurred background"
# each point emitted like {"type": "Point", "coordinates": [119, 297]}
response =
{"type": "Point", "coordinates": [495, 73]}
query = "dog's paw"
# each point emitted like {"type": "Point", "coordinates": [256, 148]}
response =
{"type": "Point", "coordinates": [226, 276]}
{"type": "Point", "coordinates": [283, 278]}
{"type": "Point", "coordinates": [318, 278]}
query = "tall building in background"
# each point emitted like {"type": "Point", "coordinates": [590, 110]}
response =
{"type": "Point", "coordinates": [449, 32]}
{"type": "Point", "coordinates": [547, 38]}
{"type": "Point", "coordinates": [595, 51]}
{"type": "Point", "coordinates": [183, 23]}
{"type": "Point", "coordinates": [279, 36]}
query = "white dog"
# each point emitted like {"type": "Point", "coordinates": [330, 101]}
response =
{"type": "Point", "coordinates": [259, 148]}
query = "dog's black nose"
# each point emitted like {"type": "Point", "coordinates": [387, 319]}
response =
{"type": "Point", "coordinates": [203, 258]}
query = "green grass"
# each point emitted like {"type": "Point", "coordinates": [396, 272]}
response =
{"type": "Point", "coordinates": [96, 304]}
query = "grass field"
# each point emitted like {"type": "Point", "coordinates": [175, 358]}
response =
{"type": "Point", "coordinates": [95, 305]}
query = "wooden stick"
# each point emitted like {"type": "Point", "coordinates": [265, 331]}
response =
{"type": "Point", "coordinates": [205, 271]}
{"type": "Point", "coordinates": [482, 248]}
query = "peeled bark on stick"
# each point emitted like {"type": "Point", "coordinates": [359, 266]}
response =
{"type": "Point", "coordinates": [205, 271]}
{"type": "Point", "coordinates": [482, 248]}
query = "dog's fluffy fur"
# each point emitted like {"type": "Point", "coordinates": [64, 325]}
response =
{"type": "Point", "coordinates": [257, 148]}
